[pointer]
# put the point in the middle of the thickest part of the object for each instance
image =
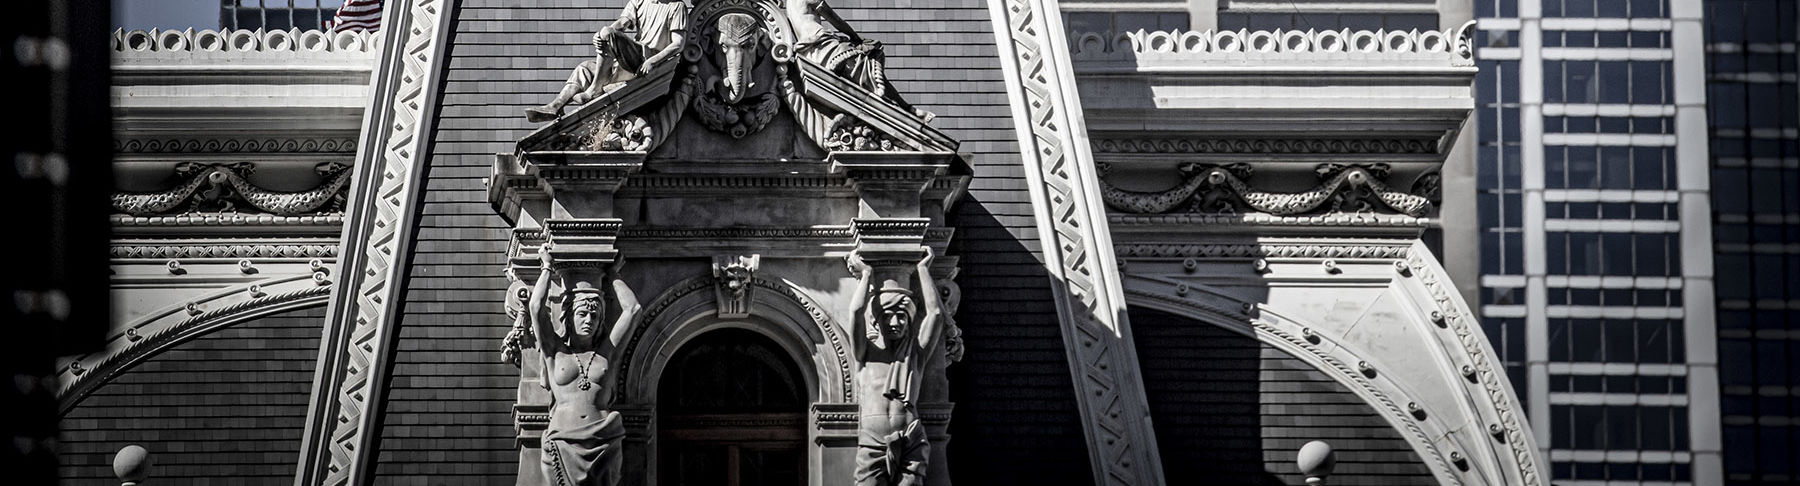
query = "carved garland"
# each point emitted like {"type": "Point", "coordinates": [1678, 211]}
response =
{"type": "Point", "coordinates": [222, 187]}
{"type": "Point", "coordinates": [1271, 333]}
{"type": "Point", "coordinates": [655, 310]}
{"type": "Point", "coordinates": [1224, 189]}
{"type": "Point", "coordinates": [1499, 394]}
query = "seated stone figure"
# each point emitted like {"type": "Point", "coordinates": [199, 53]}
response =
{"type": "Point", "coordinates": [661, 27]}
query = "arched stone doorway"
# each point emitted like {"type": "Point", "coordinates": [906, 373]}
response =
{"type": "Point", "coordinates": [731, 408]}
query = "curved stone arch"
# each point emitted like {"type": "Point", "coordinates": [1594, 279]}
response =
{"type": "Point", "coordinates": [140, 339]}
{"type": "Point", "coordinates": [1339, 360]}
{"type": "Point", "coordinates": [777, 311]}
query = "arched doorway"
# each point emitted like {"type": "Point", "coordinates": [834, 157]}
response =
{"type": "Point", "coordinates": [731, 408]}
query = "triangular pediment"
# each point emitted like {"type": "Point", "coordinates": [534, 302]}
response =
{"type": "Point", "coordinates": [745, 93]}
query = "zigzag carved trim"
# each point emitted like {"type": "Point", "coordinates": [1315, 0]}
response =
{"type": "Point", "coordinates": [1103, 362]}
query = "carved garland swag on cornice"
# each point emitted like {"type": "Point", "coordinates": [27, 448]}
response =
{"type": "Point", "coordinates": [1212, 188]}
{"type": "Point", "coordinates": [226, 188]}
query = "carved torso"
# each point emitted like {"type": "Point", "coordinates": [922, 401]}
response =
{"type": "Point", "coordinates": [571, 405]}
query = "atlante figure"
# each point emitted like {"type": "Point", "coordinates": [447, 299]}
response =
{"type": "Point", "coordinates": [661, 27]}
{"type": "Point", "coordinates": [891, 448]}
{"type": "Point", "coordinates": [581, 446]}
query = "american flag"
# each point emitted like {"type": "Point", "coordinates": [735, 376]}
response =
{"type": "Point", "coordinates": [357, 15]}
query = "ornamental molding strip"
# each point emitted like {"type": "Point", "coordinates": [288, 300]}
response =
{"type": "Point", "coordinates": [337, 446]}
{"type": "Point", "coordinates": [223, 145]}
{"type": "Point", "coordinates": [1452, 45]}
{"type": "Point", "coordinates": [1047, 113]}
{"type": "Point", "coordinates": [1285, 146]}
{"type": "Point", "coordinates": [245, 44]}
{"type": "Point", "coordinates": [1324, 249]}
{"type": "Point", "coordinates": [222, 249]}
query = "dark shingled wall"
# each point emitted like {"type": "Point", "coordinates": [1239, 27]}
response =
{"type": "Point", "coordinates": [1231, 410]}
{"type": "Point", "coordinates": [227, 406]}
{"type": "Point", "coordinates": [448, 417]}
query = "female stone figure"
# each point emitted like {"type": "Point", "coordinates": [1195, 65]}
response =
{"type": "Point", "coordinates": [581, 445]}
{"type": "Point", "coordinates": [895, 344]}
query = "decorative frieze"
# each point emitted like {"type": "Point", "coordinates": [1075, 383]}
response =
{"type": "Point", "coordinates": [1226, 189]}
{"type": "Point", "coordinates": [1449, 44]}
{"type": "Point", "coordinates": [227, 249]}
{"type": "Point", "coordinates": [243, 41]}
{"type": "Point", "coordinates": [1235, 145]}
{"type": "Point", "coordinates": [236, 145]}
{"type": "Point", "coordinates": [227, 188]}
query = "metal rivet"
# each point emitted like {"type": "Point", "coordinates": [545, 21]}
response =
{"type": "Point", "coordinates": [245, 267]}
{"type": "Point", "coordinates": [1190, 264]}
{"type": "Point", "coordinates": [1261, 265]}
{"type": "Point", "coordinates": [1365, 368]}
{"type": "Point", "coordinates": [1468, 372]}
{"type": "Point", "coordinates": [1181, 289]}
{"type": "Point", "coordinates": [256, 290]}
{"type": "Point", "coordinates": [175, 267]}
{"type": "Point", "coordinates": [1437, 317]}
{"type": "Point", "coordinates": [1400, 266]}
{"type": "Point", "coordinates": [193, 309]}
{"type": "Point", "coordinates": [131, 334]}
{"type": "Point", "coordinates": [1331, 267]}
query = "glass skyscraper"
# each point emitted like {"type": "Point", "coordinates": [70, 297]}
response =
{"type": "Point", "coordinates": [1634, 156]}
{"type": "Point", "coordinates": [1751, 104]}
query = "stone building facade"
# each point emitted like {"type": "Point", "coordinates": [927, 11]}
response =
{"type": "Point", "coordinates": [988, 249]}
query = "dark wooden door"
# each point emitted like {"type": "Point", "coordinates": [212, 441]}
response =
{"type": "Point", "coordinates": [731, 412]}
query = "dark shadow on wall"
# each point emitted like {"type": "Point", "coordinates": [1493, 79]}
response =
{"type": "Point", "coordinates": [1230, 410]}
{"type": "Point", "coordinates": [1015, 420]}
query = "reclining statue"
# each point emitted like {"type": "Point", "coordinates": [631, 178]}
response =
{"type": "Point", "coordinates": [661, 27]}
{"type": "Point", "coordinates": [843, 52]}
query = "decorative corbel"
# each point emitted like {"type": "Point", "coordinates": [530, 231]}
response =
{"type": "Point", "coordinates": [733, 286]}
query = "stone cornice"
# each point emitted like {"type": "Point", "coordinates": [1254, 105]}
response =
{"type": "Point", "coordinates": [277, 46]}
{"type": "Point", "coordinates": [1266, 146]}
{"type": "Point", "coordinates": [1450, 47]}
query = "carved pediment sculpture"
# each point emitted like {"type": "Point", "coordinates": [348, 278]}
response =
{"type": "Point", "coordinates": [742, 63]}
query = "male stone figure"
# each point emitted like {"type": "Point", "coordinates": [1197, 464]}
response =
{"type": "Point", "coordinates": [661, 27]}
{"type": "Point", "coordinates": [843, 52]}
{"type": "Point", "coordinates": [894, 345]}
{"type": "Point", "coordinates": [581, 444]}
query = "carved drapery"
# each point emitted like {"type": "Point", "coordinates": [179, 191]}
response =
{"type": "Point", "coordinates": [1227, 189]}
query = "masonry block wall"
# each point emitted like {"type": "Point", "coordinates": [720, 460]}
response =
{"type": "Point", "coordinates": [225, 407]}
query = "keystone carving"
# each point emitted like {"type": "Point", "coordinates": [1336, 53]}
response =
{"type": "Point", "coordinates": [733, 285]}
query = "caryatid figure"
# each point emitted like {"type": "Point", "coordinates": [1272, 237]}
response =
{"type": "Point", "coordinates": [893, 346]}
{"type": "Point", "coordinates": [661, 32]}
{"type": "Point", "coordinates": [581, 445]}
